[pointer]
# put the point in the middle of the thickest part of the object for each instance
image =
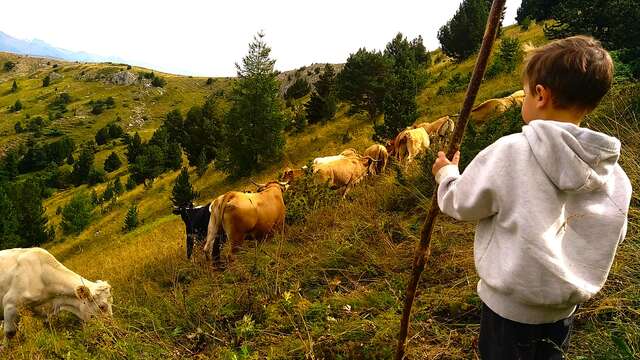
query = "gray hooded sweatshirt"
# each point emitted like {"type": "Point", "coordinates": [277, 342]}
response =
{"type": "Point", "coordinates": [551, 204]}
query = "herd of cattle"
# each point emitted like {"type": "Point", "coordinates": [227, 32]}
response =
{"type": "Point", "coordinates": [33, 279]}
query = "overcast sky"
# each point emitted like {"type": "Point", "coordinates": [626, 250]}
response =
{"type": "Point", "coordinates": [206, 38]}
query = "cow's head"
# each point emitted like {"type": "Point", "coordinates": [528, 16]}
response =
{"type": "Point", "coordinates": [95, 299]}
{"type": "Point", "coordinates": [283, 186]}
{"type": "Point", "coordinates": [196, 221]}
{"type": "Point", "coordinates": [369, 163]}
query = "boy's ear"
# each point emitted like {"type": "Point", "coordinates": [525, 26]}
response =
{"type": "Point", "coordinates": [542, 96]}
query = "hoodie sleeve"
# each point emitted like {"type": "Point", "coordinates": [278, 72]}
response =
{"type": "Point", "coordinates": [472, 195]}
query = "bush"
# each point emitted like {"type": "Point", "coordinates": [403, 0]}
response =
{"type": "Point", "coordinates": [508, 57]}
{"type": "Point", "coordinates": [525, 23]}
{"type": "Point", "coordinates": [46, 81]}
{"type": "Point", "coordinates": [76, 215]}
{"type": "Point", "coordinates": [131, 183]}
{"type": "Point", "coordinates": [17, 106]}
{"type": "Point", "coordinates": [98, 106]}
{"type": "Point", "coordinates": [158, 81]}
{"type": "Point", "coordinates": [9, 65]}
{"type": "Point", "coordinates": [306, 195]}
{"type": "Point", "coordinates": [18, 127]}
{"type": "Point", "coordinates": [112, 162]}
{"type": "Point", "coordinates": [209, 81]}
{"type": "Point", "coordinates": [457, 82]}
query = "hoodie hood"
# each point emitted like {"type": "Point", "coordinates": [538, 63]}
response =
{"type": "Point", "coordinates": [574, 158]}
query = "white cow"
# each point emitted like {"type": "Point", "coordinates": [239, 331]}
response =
{"type": "Point", "coordinates": [327, 159]}
{"type": "Point", "coordinates": [33, 279]}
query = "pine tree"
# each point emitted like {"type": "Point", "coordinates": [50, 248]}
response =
{"type": "Point", "coordinates": [112, 162]}
{"type": "Point", "coordinates": [76, 215]}
{"type": "Point", "coordinates": [134, 148]}
{"type": "Point", "coordinates": [8, 222]}
{"type": "Point", "coordinates": [462, 35]}
{"type": "Point", "coordinates": [83, 166]}
{"type": "Point", "coordinates": [400, 107]}
{"type": "Point", "coordinates": [32, 221]}
{"type": "Point", "coordinates": [254, 125]}
{"type": "Point", "coordinates": [173, 156]}
{"type": "Point", "coordinates": [117, 186]}
{"type": "Point", "coordinates": [14, 87]}
{"type": "Point", "coordinates": [203, 131]}
{"type": "Point", "coordinates": [131, 219]}
{"type": "Point", "coordinates": [17, 106]}
{"type": "Point", "coordinates": [131, 183]}
{"type": "Point", "coordinates": [202, 164]}
{"type": "Point", "coordinates": [362, 81]}
{"type": "Point", "coordinates": [322, 105]}
{"type": "Point", "coordinates": [183, 193]}
{"type": "Point", "coordinates": [10, 164]}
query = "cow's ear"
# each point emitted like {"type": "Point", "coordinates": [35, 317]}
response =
{"type": "Point", "coordinates": [83, 292]}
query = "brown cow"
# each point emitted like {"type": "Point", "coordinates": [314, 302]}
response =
{"type": "Point", "coordinates": [409, 143]}
{"type": "Point", "coordinates": [344, 173]}
{"type": "Point", "coordinates": [289, 174]}
{"type": "Point", "coordinates": [380, 154]}
{"type": "Point", "coordinates": [438, 130]}
{"type": "Point", "coordinates": [238, 214]}
{"type": "Point", "coordinates": [343, 155]}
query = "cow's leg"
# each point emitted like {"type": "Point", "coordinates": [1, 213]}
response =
{"type": "Point", "coordinates": [218, 242]}
{"type": "Point", "coordinates": [11, 318]}
{"type": "Point", "coordinates": [236, 238]}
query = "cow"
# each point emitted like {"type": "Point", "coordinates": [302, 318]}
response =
{"type": "Point", "coordinates": [492, 107]}
{"type": "Point", "coordinates": [33, 279]}
{"type": "Point", "coordinates": [289, 174]}
{"type": "Point", "coordinates": [344, 173]}
{"type": "Point", "coordinates": [238, 214]}
{"type": "Point", "coordinates": [409, 143]}
{"type": "Point", "coordinates": [196, 221]}
{"type": "Point", "coordinates": [438, 130]}
{"type": "Point", "coordinates": [380, 154]}
{"type": "Point", "coordinates": [343, 155]}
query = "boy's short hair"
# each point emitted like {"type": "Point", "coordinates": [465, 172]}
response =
{"type": "Point", "coordinates": [577, 70]}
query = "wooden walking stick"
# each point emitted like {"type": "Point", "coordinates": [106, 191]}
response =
{"type": "Point", "coordinates": [423, 249]}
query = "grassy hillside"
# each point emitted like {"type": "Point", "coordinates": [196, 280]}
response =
{"type": "Point", "coordinates": [332, 285]}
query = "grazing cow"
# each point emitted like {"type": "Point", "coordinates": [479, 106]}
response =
{"type": "Point", "coordinates": [492, 107]}
{"type": "Point", "coordinates": [33, 279]}
{"type": "Point", "coordinates": [238, 214]}
{"type": "Point", "coordinates": [344, 173]}
{"type": "Point", "coordinates": [289, 174]}
{"type": "Point", "coordinates": [409, 143]}
{"type": "Point", "coordinates": [439, 130]}
{"type": "Point", "coordinates": [380, 154]}
{"type": "Point", "coordinates": [343, 155]}
{"type": "Point", "coordinates": [196, 221]}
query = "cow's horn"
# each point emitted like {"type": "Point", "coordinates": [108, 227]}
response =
{"type": "Point", "coordinates": [256, 184]}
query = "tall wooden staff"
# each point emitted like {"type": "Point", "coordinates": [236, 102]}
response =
{"type": "Point", "coordinates": [423, 249]}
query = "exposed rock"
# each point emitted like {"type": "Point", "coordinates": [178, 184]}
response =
{"type": "Point", "coordinates": [54, 76]}
{"type": "Point", "coordinates": [123, 78]}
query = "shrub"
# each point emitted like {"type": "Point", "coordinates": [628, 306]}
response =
{"type": "Point", "coordinates": [209, 81]}
{"type": "Point", "coordinates": [98, 106]}
{"type": "Point", "coordinates": [306, 195]}
{"type": "Point", "coordinates": [76, 215]}
{"type": "Point", "coordinates": [18, 127]}
{"type": "Point", "coordinates": [131, 219]}
{"type": "Point", "coordinates": [525, 23]}
{"type": "Point", "coordinates": [457, 82]}
{"type": "Point", "coordinates": [158, 81]}
{"type": "Point", "coordinates": [46, 81]}
{"type": "Point", "coordinates": [508, 57]}
{"type": "Point", "coordinates": [14, 87]}
{"type": "Point", "coordinates": [17, 106]}
{"type": "Point", "coordinates": [9, 65]}
{"type": "Point", "coordinates": [112, 162]}
{"type": "Point", "coordinates": [131, 183]}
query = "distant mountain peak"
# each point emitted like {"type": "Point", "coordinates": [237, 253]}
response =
{"type": "Point", "coordinates": [37, 47]}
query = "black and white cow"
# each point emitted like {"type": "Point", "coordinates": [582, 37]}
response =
{"type": "Point", "coordinates": [196, 221]}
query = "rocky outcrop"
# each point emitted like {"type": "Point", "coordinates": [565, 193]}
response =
{"type": "Point", "coordinates": [123, 78]}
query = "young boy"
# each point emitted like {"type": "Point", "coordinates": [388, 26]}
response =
{"type": "Point", "coordinates": [551, 204]}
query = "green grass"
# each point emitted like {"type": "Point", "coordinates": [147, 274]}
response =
{"type": "Point", "coordinates": [331, 286]}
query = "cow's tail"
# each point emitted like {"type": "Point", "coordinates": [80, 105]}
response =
{"type": "Point", "coordinates": [215, 224]}
{"type": "Point", "coordinates": [401, 147]}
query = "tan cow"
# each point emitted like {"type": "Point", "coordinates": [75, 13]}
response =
{"type": "Point", "coordinates": [344, 173]}
{"type": "Point", "coordinates": [238, 214]}
{"type": "Point", "coordinates": [493, 107]}
{"type": "Point", "coordinates": [410, 143]}
{"type": "Point", "coordinates": [380, 154]}
{"type": "Point", "coordinates": [439, 131]}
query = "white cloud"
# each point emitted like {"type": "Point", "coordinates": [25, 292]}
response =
{"type": "Point", "coordinates": [207, 37]}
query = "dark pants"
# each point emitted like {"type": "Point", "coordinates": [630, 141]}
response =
{"type": "Point", "coordinates": [503, 339]}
